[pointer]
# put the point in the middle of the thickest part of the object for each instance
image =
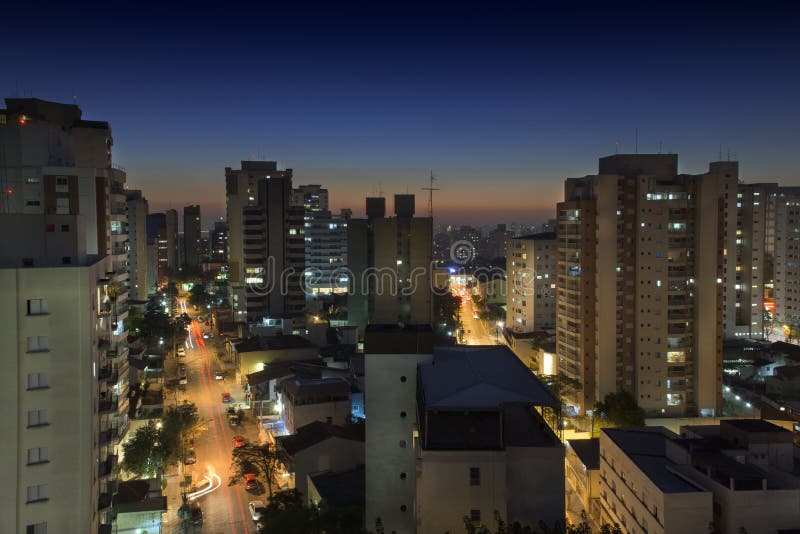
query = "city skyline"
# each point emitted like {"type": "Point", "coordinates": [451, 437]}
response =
{"type": "Point", "coordinates": [491, 101]}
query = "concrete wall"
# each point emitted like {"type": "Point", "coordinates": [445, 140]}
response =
{"type": "Point", "coordinates": [444, 493]}
{"type": "Point", "coordinates": [333, 454]}
{"type": "Point", "coordinates": [296, 416]}
{"type": "Point", "coordinates": [535, 484]}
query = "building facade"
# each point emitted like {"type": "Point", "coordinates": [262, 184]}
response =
{"type": "Point", "coordinates": [531, 294]}
{"type": "Point", "coordinates": [391, 261]}
{"type": "Point", "coordinates": [219, 242]}
{"type": "Point", "coordinates": [137, 244]}
{"type": "Point", "coordinates": [266, 248]}
{"type": "Point", "coordinates": [192, 230]}
{"type": "Point", "coordinates": [655, 248]}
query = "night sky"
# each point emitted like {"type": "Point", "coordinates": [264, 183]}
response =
{"type": "Point", "coordinates": [502, 105]}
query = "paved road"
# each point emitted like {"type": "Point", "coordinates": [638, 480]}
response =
{"type": "Point", "coordinates": [475, 331]}
{"type": "Point", "coordinates": [225, 509]}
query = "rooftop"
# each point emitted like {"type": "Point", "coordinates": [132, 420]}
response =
{"type": "Point", "coordinates": [343, 489]}
{"type": "Point", "coordinates": [316, 387]}
{"type": "Point", "coordinates": [541, 236]}
{"type": "Point", "coordinates": [588, 450]}
{"type": "Point", "coordinates": [753, 425]}
{"type": "Point", "coordinates": [646, 447]}
{"type": "Point", "coordinates": [480, 377]}
{"type": "Point", "coordinates": [317, 432]}
{"type": "Point", "coordinates": [279, 342]}
{"type": "Point", "coordinates": [311, 368]}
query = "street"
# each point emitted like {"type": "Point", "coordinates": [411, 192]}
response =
{"type": "Point", "coordinates": [475, 331]}
{"type": "Point", "coordinates": [224, 508]}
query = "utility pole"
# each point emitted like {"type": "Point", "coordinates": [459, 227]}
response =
{"type": "Point", "coordinates": [430, 191]}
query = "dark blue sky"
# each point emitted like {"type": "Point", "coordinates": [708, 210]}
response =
{"type": "Point", "coordinates": [501, 104]}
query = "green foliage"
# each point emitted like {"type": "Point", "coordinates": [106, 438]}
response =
{"type": "Point", "coordinates": [143, 455]}
{"type": "Point", "coordinates": [198, 296]}
{"type": "Point", "coordinates": [447, 310]}
{"type": "Point", "coordinates": [178, 426]}
{"type": "Point", "coordinates": [286, 513]}
{"type": "Point", "coordinates": [560, 527]}
{"type": "Point", "coordinates": [562, 386]}
{"type": "Point", "coordinates": [265, 460]}
{"type": "Point", "coordinates": [154, 325]}
{"type": "Point", "coordinates": [618, 410]}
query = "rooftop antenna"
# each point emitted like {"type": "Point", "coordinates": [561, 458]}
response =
{"type": "Point", "coordinates": [636, 142]}
{"type": "Point", "coordinates": [660, 143]}
{"type": "Point", "coordinates": [616, 145]}
{"type": "Point", "coordinates": [380, 188]}
{"type": "Point", "coordinates": [430, 189]}
{"type": "Point", "coordinates": [729, 153]}
{"type": "Point", "coordinates": [719, 158]}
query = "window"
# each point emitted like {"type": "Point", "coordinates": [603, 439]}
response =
{"type": "Point", "coordinates": [474, 476]}
{"type": "Point", "coordinates": [38, 455]}
{"type": "Point", "coordinates": [66, 260]}
{"type": "Point", "coordinates": [65, 228]}
{"type": "Point", "coordinates": [37, 418]}
{"type": "Point", "coordinates": [38, 528]}
{"type": "Point", "coordinates": [475, 516]}
{"type": "Point", "coordinates": [38, 344]}
{"type": "Point", "coordinates": [37, 381]}
{"type": "Point", "coordinates": [33, 203]}
{"type": "Point", "coordinates": [62, 206]}
{"type": "Point", "coordinates": [37, 493]}
{"type": "Point", "coordinates": [31, 180]}
{"type": "Point", "coordinates": [62, 184]}
{"type": "Point", "coordinates": [37, 306]}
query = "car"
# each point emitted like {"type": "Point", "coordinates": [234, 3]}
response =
{"type": "Point", "coordinates": [226, 397]}
{"type": "Point", "coordinates": [191, 458]}
{"type": "Point", "coordinates": [201, 320]}
{"type": "Point", "coordinates": [197, 516]}
{"type": "Point", "coordinates": [233, 420]}
{"type": "Point", "coordinates": [219, 375]}
{"type": "Point", "coordinates": [183, 380]}
{"type": "Point", "coordinates": [239, 441]}
{"type": "Point", "coordinates": [205, 335]}
{"type": "Point", "coordinates": [190, 444]}
{"type": "Point", "coordinates": [231, 410]}
{"type": "Point", "coordinates": [256, 509]}
{"type": "Point", "coordinates": [181, 352]}
{"type": "Point", "coordinates": [250, 482]}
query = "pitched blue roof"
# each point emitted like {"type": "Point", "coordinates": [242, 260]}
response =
{"type": "Point", "coordinates": [462, 376]}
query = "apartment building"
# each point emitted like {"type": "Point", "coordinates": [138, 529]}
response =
{"type": "Point", "coordinates": [192, 231]}
{"type": "Point", "coordinates": [454, 432]}
{"type": "Point", "coordinates": [736, 476]}
{"type": "Point", "coordinates": [162, 232]}
{"type": "Point", "coordinates": [391, 261]}
{"type": "Point", "coordinates": [644, 255]}
{"type": "Point", "coordinates": [219, 242]}
{"type": "Point", "coordinates": [266, 247]}
{"type": "Point", "coordinates": [531, 262]}
{"type": "Point", "coordinates": [66, 380]}
{"type": "Point", "coordinates": [786, 282]}
{"type": "Point", "coordinates": [137, 209]}
{"type": "Point", "coordinates": [68, 207]}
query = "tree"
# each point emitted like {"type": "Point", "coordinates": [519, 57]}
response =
{"type": "Point", "coordinates": [179, 425]}
{"type": "Point", "coordinates": [560, 527]}
{"type": "Point", "coordinates": [286, 513]}
{"type": "Point", "coordinates": [562, 386]}
{"type": "Point", "coordinates": [447, 308]}
{"type": "Point", "coordinates": [617, 409]}
{"type": "Point", "coordinates": [265, 460]}
{"type": "Point", "coordinates": [144, 456]}
{"type": "Point", "coordinates": [198, 297]}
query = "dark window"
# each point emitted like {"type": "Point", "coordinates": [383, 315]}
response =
{"type": "Point", "coordinates": [65, 228]}
{"type": "Point", "coordinates": [402, 476]}
{"type": "Point", "coordinates": [66, 260]}
{"type": "Point", "coordinates": [402, 414]}
{"type": "Point", "coordinates": [403, 508]}
{"type": "Point", "coordinates": [474, 476]}
{"type": "Point", "coordinates": [403, 379]}
{"type": "Point", "coordinates": [475, 516]}
{"type": "Point", "coordinates": [50, 228]}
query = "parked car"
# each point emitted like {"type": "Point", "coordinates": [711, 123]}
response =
{"type": "Point", "coordinates": [191, 458]}
{"type": "Point", "coordinates": [250, 482]}
{"type": "Point", "coordinates": [239, 441]}
{"type": "Point", "coordinates": [200, 320]}
{"type": "Point", "coordinates": [181, 352]}
{"type": "Point", "coordinates": [197, 516]}
{"type": "Point", "coordinates": [226, 397]}
{"type": "Point", "coordinates": [256, 509]}
{"type": "Point", "coordinates": [183, 379]}
{"type": "Point", "coordinates": [219, 375]}
{"type": "Point", "coordinates": [206, 335]}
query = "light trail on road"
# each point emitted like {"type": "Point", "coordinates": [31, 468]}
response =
{"type": "Point", "coordinates": [214, 482]}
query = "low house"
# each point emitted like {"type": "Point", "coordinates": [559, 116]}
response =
{"type": "Point", "coordinates": [254, 353]}
{"type": "Point", "coordinates": [785, 382]}
{"type": "Point", "coordinates": [260, 387]}
{"type": "Point", "coordinates": [319, 447]}
{"type": "Point", "coordinates": [339, 489]}
{"type": "Point", "coordinates": [305, 400]}
{"type": "Point", "coordinates": [139, 506]}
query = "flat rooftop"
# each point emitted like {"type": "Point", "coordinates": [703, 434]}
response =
{"type": "Point", "coordinates": [588, 450]}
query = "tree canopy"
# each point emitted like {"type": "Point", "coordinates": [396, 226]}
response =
{"type": "Point", "coordinates": [265, 460]}
{"type": "Point", "coordinates": [287, 513]}
{"type": "Point", "coordinates": [618, 409]}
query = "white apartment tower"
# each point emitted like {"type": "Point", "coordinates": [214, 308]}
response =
{"type": "Point", "coordinates": [64, 325]}
{"type": "Point", "coordinates": [646, 264]}
{"type": "Point", "coordinates": [531, 294]}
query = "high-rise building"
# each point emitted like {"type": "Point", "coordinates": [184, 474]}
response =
{"type": "Point", "coordinates": [219, 242]}
{"type": "Point", "coordinates": [531, 294]}
{"type": "Point", "coordinates": [643, 256]}
{"type": "Point", "coordinates": [191, 235]}
{"type": "Point", "coordinates": [162, 230]}
{"type": "Point", "coordinates": [64, 323]}
{"type": "Point", "coordinates": [137, 247]}
{"type": "Point", "coordinates": [497, 242]}
{"type": "Point", "coordinates": [784, 244]}
{"type": "Point", "coordinates": [391, 260]}
{"type": "Point", "coordinates": [266, 249]}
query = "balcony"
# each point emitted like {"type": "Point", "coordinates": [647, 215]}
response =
{"type": "Point", "coordinates": [107, 467]}
{"type": "Point", "coordinates": [107, 374]}
{"type": "Point", "coordinates": [103, 501]}
{"type": "Point", "coordinates": [107, 404]}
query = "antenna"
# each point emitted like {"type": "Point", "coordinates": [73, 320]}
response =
{"type": "Point", "coordinates": [636, 142]}
{"type": "Point", "coordinates": [616, 145]}
{"type": "Point", "coordinates": [430, 189]}
{"type": "Point", "coordinates": [380, 188]}
{"type": "Point", "coordinates": [719, 158]}
{"type": "Point", "coordinates": [660, 143]}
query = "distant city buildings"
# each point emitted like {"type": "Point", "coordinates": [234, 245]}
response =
{"type": "Point", "coordinates": [192, 236]}
{"type": "Point", "coordinates": [391, 260]}
{"type": "Point", "coordinates": [266, 246]}
{"type": "Point", "coordinates": [162, 231]}
{"type": "Point", "coordinates": [137, 208]}
{"type": "Point", "coordinates": [219, 242]}
{"type": "Point", "coordinates": [531, 295]}
{"type": "Point", "coordinates": [64, 277]}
